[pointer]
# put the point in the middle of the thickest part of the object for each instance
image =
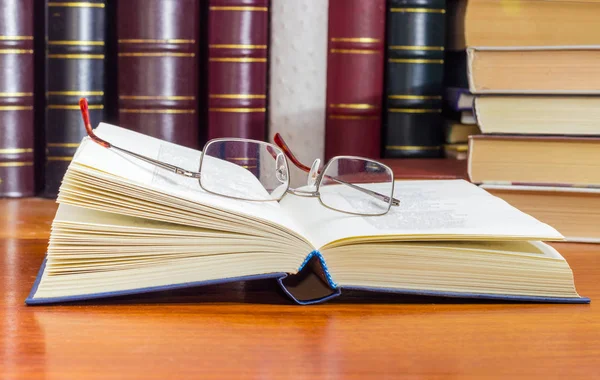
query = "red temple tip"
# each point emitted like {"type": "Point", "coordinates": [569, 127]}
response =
{"type": "Point", "coordinates": [85, 114]}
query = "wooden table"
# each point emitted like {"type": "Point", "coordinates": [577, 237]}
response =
{"type": "Point", "coordinates": [252, 331]}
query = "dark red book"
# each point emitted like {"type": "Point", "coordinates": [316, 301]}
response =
{"type": "Point", "coordinates": [237, 69]}
{"type": "Point", "coordinates": [355, 63]}
{"type": "Point", "coordinates": [17, 177]}
{"type": "Point", "coordinates": [158, 68]}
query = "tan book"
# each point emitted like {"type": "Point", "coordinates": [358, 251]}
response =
{"type": "Point", "coordinates": [574, 211]}
{"type": "Point", "coordinates": [456, 132]}
{"type": "Point", "coordinates": [543, 115]}
{"type": "Point", "coordinates": [124, 226]}
{"type": "Point", "coordinates": [545, 160]}
{"type": "Point", "coordinates": [522, 23]}
{"type": "Point", "coordinates": [534, 70]}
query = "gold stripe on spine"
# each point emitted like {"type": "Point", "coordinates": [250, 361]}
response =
{"type": "Point", "coordinates": [240, 159]}
{"type": "Point", "coordinates": [252, 9]}
{"type": "Point", "coordinates": [353, 51]}
{"type": "Point", "coordinates": [22, 163]}
{"type": "Point", "coordinates": [76, 42]}
{"type": "Point", "coordinates": [412, 147]}
{"type": "Point", "coordinates": [237, 110]}
{"type": "Point", "coordinates": [76, 56]}
{"type": "Point", "coordinates": [16, 108]}
{"type": "Point", "coordinates": [73, 107]}
{"type": "Point", "coordinates": [421, 97]}
{"type": "Point", "coordinates": [416, 47]}
{"type": "Point", "coordinates": [142, 110]}
{"type": "Point", "coordinates": [353, 117]}
{"type": "Point", "coordinates": [418, 10]}
{"type": "Point", "coordinates": [157, 54]}
{"type": "Point", "coordinates": [405, 60]}
{"type": "Point", "coordinates": [248, 166]}
{"type": "Point", "coordinates": [16, 51]}
{"type": "Point", "coordinates": [243, 60]}
{"type": "Point", "coordinates": [356, 106]}
{"type": "Point", "coordinates": [15, 94]}
{"type": "Point", "coordinates": [62, 145]}
{"type": "Point", "coordinates": [236, 96]}
{"type": "Point", "coordinates": [154, 41]}
{"type": "Point", "coordinates": [60, 158]}
{"type": "Point", "coordinates": [355, 39]}
{"type": "Point", "coordinates": [16, 38]}
{"type": "Point", "coordinates": [76, 93]}
{"type": "Point", "coordinates": [234, 46]}
{"type": "Point", "coordinates": [16, 150]}
{"type": "Point", "coordinates": [149, 97]}
{"type": "Point", "coordinates": [415, 110]}
{"type": "Point", "coordinates": [76, 4]}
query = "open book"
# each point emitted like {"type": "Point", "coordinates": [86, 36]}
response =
{"type": "Point", "coordinates": [124, 226]}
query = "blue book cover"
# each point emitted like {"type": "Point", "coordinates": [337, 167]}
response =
{"type": "Point", "coordinates": [312, 266]}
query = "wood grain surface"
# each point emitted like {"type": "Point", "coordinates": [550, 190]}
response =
{"type": "Point", "coordinates": [252, 331]}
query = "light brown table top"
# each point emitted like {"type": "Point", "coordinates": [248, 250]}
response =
{"type": "Point", "coordinates": [251, 330]}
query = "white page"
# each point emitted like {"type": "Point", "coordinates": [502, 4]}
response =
{"type": "Point", "coordinates": [147, 175]}
{"type": "Point", "coordinates": [428, 209]}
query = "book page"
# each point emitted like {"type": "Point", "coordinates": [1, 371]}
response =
{"type": "Point", "coordinates": [131, 169]}
{"type": "Point", "coordinates": [435, 209]}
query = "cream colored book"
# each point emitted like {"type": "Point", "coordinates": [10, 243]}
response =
{"type": "Point", "coordinates": [124, 226]}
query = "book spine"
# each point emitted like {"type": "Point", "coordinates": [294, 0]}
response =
{"type": "Point", "coordinates": [298, 72]}
{"type": "Point", "coordinates": [237, 70]}
{"type": "Point", "coordinates": [158, 68]}
{"type": "Point", "coordinates": [75, 56]}
{"type": "Point", "coordinates": [414, 85]}
{"type": "Point", "coordinates": [17, 176]}
{"type": "Point", "coordinates": [355, 77]}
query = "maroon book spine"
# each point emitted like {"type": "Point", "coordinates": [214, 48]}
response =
{"type": "Point", "coordinates": [16, 99]}
{"type": "Point", "coordinates": [237, 68]}
{"type": "Point", "coordinates": [355, 63]}
{"type": "Point", "coordinates": [158, 68]}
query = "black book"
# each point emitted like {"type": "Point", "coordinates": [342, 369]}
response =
{"type": "Point", "coordinates": [413, 125]}
{"type": "Point", "coordinates": [75, 62]}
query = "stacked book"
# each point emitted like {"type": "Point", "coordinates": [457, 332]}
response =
{"type": "Point", "coordinates": [534, 67]}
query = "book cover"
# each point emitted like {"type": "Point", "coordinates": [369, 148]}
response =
{"type": "Point", "coordinates": [238, 41]}
{"type": "Point", "coordinates": [414, 79]}
{"type": "Point", "coordinates": [158, 68]}
{"type": "Point", "coordinates": [355, 60]}
{"type": "Point", "coordinates": [298, 75]}
{"type": "Point", "coordinates": [17, 173]}
{"type": "Point", "coordinates": [75, 63]}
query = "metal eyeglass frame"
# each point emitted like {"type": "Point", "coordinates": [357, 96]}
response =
{"type": "Point", "coordinates": [280, 143]}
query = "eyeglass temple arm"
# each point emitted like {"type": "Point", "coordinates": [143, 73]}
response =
{"type": "Point", "coordinates": [85, 114]}
{"type": "Point", "coordinates": [288, 152]}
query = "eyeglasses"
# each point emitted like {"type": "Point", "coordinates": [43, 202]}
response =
{"type": "Point", "coordinates": [258, 171]}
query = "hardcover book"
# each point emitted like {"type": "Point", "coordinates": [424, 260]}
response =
{"type": "Point", "coordinates": [540, 160]}
{"type": "Point", "coordinates": [238, 41]}
{"type": "Point", "coordinates": [522, 23]}
{"type": "Point", "coordinates": [574, 211]}
{"type": "Point", "coordinates": [125, 226]}
{"type": "Point", "coordinates": [355, 78]}
{"type": "Point", "coordinates": [17, 174]}
{"type": "Point", "coordinates": [158, 68]}
{"type": "Point", "coordinates": [539, 115]}
{"type": "Point", "coordinates": [554, 70]}
{"type": "Point", "coordinates": [414, 79]}
{"type": "Point", "coordinates": [75, 57]}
